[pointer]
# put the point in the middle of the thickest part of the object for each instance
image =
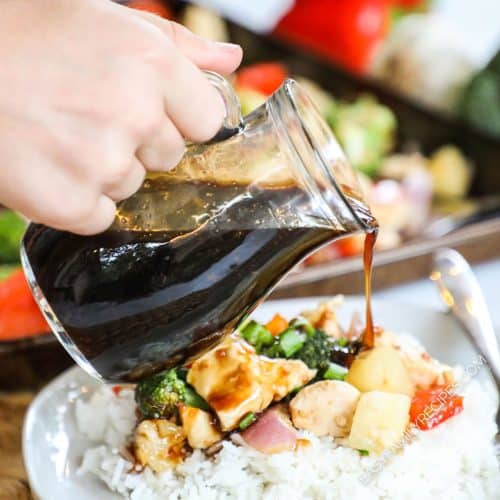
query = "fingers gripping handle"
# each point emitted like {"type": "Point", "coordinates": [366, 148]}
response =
{"type": "Point", "coordinates": [233, 121]}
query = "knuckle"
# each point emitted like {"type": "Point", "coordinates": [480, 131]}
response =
{"type": "Point", "coordinates": [78, 209]}
{"type": "Point", "coordinates": [162, 57]}
{"type": "Point", "coordinates": [115, 170]}
{"type": "Point", "coordinates": [69, 212]}
{"type": "Point", "coordinates": [173, 159]}
{"type": "Point", "coordinates": [147, 122]}
{"type": "Point", "coordinates": [142, 116]}
{"type": "Point", "coordinates": [211, 120]}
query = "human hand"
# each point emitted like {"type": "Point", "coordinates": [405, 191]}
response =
{"type": "Point", "coordinates": [92, 95]}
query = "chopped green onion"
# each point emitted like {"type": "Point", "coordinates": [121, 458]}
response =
{"type": "Point", "coordinates": [247, 420]}
{"type": "Point", "coordinates": [273, 351]}
{"type": "Point", "coordinates": [342, 341]}
{"type": "Point", "coordinates": [303, 323]}
{"type": "Point", "coordinates": [364, 453]}
{"type": "Point", "coordinates": [257, 335]}
{"type": "Point", "coordinates": [192, 398]}
{"type": "Point", "coordinates": [291, 341]}
{"type": "Point", "coordinates": [335, 372]}
{"type": "Point", "coordinates": [243, 323]}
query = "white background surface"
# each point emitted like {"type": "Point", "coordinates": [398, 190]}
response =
{"type": "Point", "coordinates": [477, 22]}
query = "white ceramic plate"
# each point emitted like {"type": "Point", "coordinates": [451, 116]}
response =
{"type": "Point", "coordinates": [53, 448]}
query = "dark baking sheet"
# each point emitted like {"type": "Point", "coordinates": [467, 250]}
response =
{"type": "Point", "coordinates": [477, 242]}
{"type": "Point", "coordinates": [416, 126]}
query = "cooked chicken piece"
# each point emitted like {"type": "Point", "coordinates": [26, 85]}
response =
{"type": "Point", "coordinates": [272, 433]}
{"type": "Point", "coordinates": [325, 408]}
{"type": "Point", "coordinates": [324, 318]}
{"type": "Point", "coordinates": [235, 380]}
{"type": "Point", "coordinates": [199, 427]}
{"type": "Point", "coordinates": [282, 376]}
{"type": "Point", "coordinates": [159, 444]}
{"type": "Point", "coordinates": [424, 371]}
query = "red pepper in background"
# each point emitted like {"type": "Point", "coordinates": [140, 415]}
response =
{"type": "Point", "coordinates": [154, 6]}
{"type": "Point", "coordinates": [345, 31]}
{"type": "Point", "coordinates": [431, 407]}
{"type": "Point", "coordinates": [340, 249]}
{"type": "Point", "coordinates": [409, 4]}
{"type": "Point", "coordinates": [264, 77]}
{"type": "Point", "coordinates": [19, 314]}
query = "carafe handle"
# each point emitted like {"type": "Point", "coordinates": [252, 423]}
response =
{"type": "Point", "coordinates": [233, 121]}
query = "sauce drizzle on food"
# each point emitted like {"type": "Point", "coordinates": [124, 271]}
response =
{"type": "Point", "coordinates": [369, 334]}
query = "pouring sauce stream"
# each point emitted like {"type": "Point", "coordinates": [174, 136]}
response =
{"type": "Point", "coordinates": [369, 335]}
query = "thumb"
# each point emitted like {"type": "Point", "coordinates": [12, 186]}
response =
{"type": "Point", "coordinates": [220, 57]}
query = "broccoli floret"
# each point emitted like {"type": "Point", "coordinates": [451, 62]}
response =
{"type": "Point", "coordinates": [480, 104]}
{"type": "Point", "coordinates": [365, 129]}
{"type": "Point", "coordinates": [303, 342]}
{"type": "Point", "coordinates": [322, 353]}
{"type": "Point", "coordinates": [159, 395]}
{"type": "Point", "coordinates": [317, 350]}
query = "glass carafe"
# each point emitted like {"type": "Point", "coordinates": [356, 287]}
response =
{"type": "Point", "coordinates": [196, 249]}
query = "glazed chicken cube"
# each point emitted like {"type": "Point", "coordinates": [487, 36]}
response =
{"type": "Point", "coordinates": [282, 376]}
{"type": "Point", "coordinates": [325, 408]}
{"type": "Point", "coordinates": [159, 444]}
{"type": "Point", "coordinates": [199, 427]}
{"type": "Point", "coordinates": [235, 380]}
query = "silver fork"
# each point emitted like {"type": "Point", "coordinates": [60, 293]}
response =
{"type": "Point", "coordinates": [460, 291]}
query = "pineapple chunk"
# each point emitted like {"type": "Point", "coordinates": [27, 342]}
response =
{"type": "Point", "coordinates": [380, 369]}
{"type": "Point", "coordinates": [379, 421]}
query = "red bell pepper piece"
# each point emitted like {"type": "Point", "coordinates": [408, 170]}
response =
{"type": "Point", "coordinates": [345, 31]}
{"type": "Point", "coordinates": [19, 314]}
{"type": "Point", "coordinates": [431, 407]}
{"type": "Point", "coordinates": [264, 77]}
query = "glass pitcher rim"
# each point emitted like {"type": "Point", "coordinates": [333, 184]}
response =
{"type": "Point", "coordinates": [291, 88]}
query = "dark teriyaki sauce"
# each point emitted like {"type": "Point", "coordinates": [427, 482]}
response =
{"type": "Point", "coordinates": [135, 302]}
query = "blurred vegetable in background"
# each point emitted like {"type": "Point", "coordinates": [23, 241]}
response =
{"type": "Point", "coordinates": [400, 187]}
{"type": "Point", "coordinates": [20, 316]}
{"type": "Point", "coordinates": [154, 6]}
{"type": "Point", "coordinates": [480, 103]}
{"type": "Point", "coordinates": [6, 270]}
{"type": "Point", "coordinates": [451, 173]}
{"type": "Point", "coordinates": [423, 58]}
{"type": "Point", "coordinates": [205, 23]}
{"type": "Point", "coordinates": [12, 228]}
{"type": "Point", "coordinates": [409, 4]}
{"type": "Point", "coordinates": [264, 78]}
{"type": "Point", "coordinates": [345, 31]}
{"type": "Point", "coordinates": [365, 129]}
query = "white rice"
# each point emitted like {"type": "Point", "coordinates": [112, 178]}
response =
{"type": "Point", "coordinates": [454, 461]}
